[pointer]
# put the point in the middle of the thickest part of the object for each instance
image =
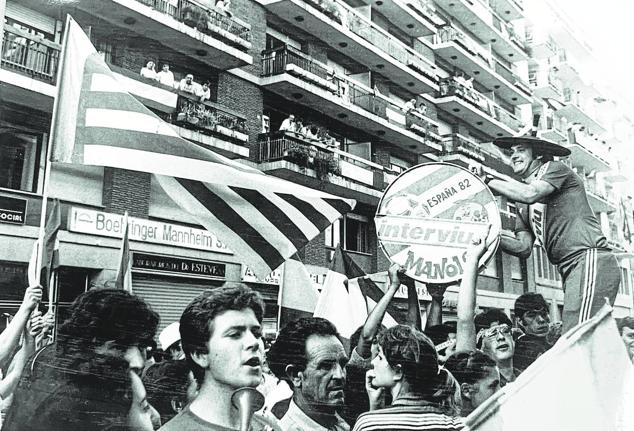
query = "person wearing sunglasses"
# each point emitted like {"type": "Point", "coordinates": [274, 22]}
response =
{"type": "Point", "coordinates": [494, 336]}
{"type": "Point", "coordinates": [532, 314]}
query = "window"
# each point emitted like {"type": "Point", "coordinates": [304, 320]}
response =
{"type": "Point", "coordinates": [19, 160]}
{"type": "Point", "coordinates": [333, 233]}
{"type": "Point", "coordinates": [626, 282]}
{"type": "Point", "coordinates": [545, 272]}
{"type": "Point", "coordinates": [356, 233]}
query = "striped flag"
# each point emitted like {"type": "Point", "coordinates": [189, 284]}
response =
{"type": "Point", "coordinates": [124, 274]}
{"type": "Point", "coordinates": [348, 295]}
{"type": "Point", "coordinates": [263, 219]}
{"type": "Point", "coordinates": [585, 382]}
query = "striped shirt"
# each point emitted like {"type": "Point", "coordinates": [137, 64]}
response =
{"type": "Point", "coordinates": [408, 415]}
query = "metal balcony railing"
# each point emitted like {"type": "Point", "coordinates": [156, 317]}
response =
{"type": "Point", "coordinates": [30, 55]}
{"type": "Point", "coordinates": [287, 59]}
{"type": "Point", "coordinates": [452, 87]}
{"type": "Point", "coordinates": [343, 14]}
{"type": "Point", "coordinates": [208, 20]}
{"type": "Point", "coordinates": [318, 155]}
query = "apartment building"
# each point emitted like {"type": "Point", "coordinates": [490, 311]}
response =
{"type": "Point", "coordinates": [346, 70]}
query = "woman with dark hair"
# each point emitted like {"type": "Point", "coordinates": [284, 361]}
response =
{"type": "Point", "coordinates": [478, 376]}
{"type": "Point", "coordinates": [407, 366]}
{"type": "Point", "coordinates": [87, 380]}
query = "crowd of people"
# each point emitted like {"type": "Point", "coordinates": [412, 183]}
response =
{"type": "Point", "coordinates": [308, 131]}
{"type": "Point", "coordinates": [166, 77]}
{"type": "Point", "coordinates": [97, 374]}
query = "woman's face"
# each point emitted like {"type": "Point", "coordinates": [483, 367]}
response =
{"type": "Point", "coordinates": [141, 416]}
{"type": "Point", "coordinates": [384, 374]}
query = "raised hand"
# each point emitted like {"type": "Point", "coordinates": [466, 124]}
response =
{"type": "Point", "coordinates": [32, 297]}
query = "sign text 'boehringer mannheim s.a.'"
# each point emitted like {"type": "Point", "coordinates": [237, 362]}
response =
{"type": "Point", "coordinates": [112, 225]}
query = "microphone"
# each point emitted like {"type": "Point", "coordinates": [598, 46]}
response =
{"type": "Point", "coordinates": [247, 400]}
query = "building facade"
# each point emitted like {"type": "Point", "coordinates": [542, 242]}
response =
{"type": "Point", "coordinates": [378, 87]}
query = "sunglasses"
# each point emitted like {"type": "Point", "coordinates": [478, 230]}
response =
{"type": "Point", "coordinates": [493, 332]}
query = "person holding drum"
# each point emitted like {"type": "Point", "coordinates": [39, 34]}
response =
{"type": "Point", "coordinates": [554, 211]}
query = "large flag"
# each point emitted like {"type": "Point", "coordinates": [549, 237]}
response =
{"type": "Point", "coordinates": [263, 219]}
{"type": "Point", "coordinates": [584, 383]}
{"type": "Point", "coordinates": [348, 295]}
{"type": "Point", "coordinates": [124, 273]}
{"type": "Point", "coordinates": [297, 294]}
{"type": "Point", "coordinates": [50, 250]}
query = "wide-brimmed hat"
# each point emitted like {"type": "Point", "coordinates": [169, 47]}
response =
{"type": "Point", "coordinates": [541, 145]}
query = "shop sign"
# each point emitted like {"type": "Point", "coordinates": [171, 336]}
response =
{"type": "Point", "coordinates": [154, 263]}
{"type": "Point", "coordinates": [249, 276]}
{"type": "Point", "coordinates": [112, 225]}
{"type": "Point", "coordinates": [12, 210]}
{"type": "Point", "coordinates": [430, 215]}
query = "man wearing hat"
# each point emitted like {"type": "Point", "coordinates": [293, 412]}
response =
{"type": "Point", "coordinates": [558, 216]}
{"type": "Point", "coordinates": [532, 314]}
{"type": "Point", "coordinates": [170, 339]}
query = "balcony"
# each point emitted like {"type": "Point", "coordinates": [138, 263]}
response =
{"type": "Point", "coordinates": [545, 85]}
{"type": "Point", "coordinates": [463, 151]}
{"type": "Point", "coordinates": [540, 45]}
{"type": "Point", "coordinates": [301, 79]}
{"type": "Point", "coordinates": [416, 18]}
{"type": "Point", "coordinates": [313, 163]}
{"type": "Point", "coordinates": [183, 25]}
{"type": "Point", "coordinates": [589, 153]}
{"type": "Point", "coordinates": [207, 123]}
{"type": "Point", "coordinates": [508, 9]}
{"type": "Point", "coordinates": [554, 130]}
{"type": "Point", "coordinates": [355, 36]}
{"type": "Point", "coordinates": [460, 100]}
{"type": "Point", "coordinates": [487, 27]}
{"type": "Point", "coordinates": [30, 55]}
{"type": "Point", "coordinates": [465, 53]}
{"type": "Point", "coordinates": [573, 112]}
{"type": "Point", "coordinates": [597, 198]}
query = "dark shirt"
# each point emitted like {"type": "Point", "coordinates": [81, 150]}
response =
{"type": "Point", "coordinates": [527, 349]}
{"type": "Point", "coordinates": [570, 225]}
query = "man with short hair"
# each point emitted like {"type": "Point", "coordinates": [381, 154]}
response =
{"type": "Point", "coordinates": [288, 125]}
{"type": "Point", "coordinates": [495, 338]}
{"type": "Point", "coordinates": [220, 331]}
{"type": "Point", "coordinates": [165, 76]}
{"type": "Point", "coordinates": [626, 330]}
{"type": "Point", "coordinates": [308, 354]}
{"type": "Point", "coordinates": [187, 84]}
{"type": "Point", "coordinates": [532, 314]}
{"type": "Point", "coordinates": [557, 215]}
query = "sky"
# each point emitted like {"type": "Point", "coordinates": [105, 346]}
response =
{"type": "Point", "coordinates": [608, 27]}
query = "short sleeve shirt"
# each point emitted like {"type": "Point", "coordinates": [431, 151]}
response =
{"type": "Point", "coordinates": [570, 225]}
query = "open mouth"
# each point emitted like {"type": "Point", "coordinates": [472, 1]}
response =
{"type": "Point", "coordinates": [503, 347]}
{"type": "Point", "coordinates": [253, 362]}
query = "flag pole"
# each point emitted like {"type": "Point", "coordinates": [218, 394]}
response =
{"type": "Point", "coordinates": [279, 299]}
{"type": "Point", "coordinates": [48, 165]}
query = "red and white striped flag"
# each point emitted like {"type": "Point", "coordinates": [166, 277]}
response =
{"type": "Point", "coordinates": [585, 382]}
{"type": "Point", "coordinates": [263, 219]}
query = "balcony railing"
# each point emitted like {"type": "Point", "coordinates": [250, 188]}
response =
{"type": "Point", "coordinates": [343, 14]}
{"type": "Point", "coordinates": [449, 33]}
{"type": "Point", "coordinates": [208, 20]}
{"type": "Point", "coordinates": [452, 87]}
{"type": "Point", "coordinates": [380, 38]}
{"type": "Point", "coordinates": [289, 60]}
{"type": "Point", "coordinates": [319, 156]}
{"type": "Point", "coordinates": [30, 55]}
{"type": "Point", "coordinates": [210, 119]}
{"type": "Point", "coordinates": [458, 144]}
